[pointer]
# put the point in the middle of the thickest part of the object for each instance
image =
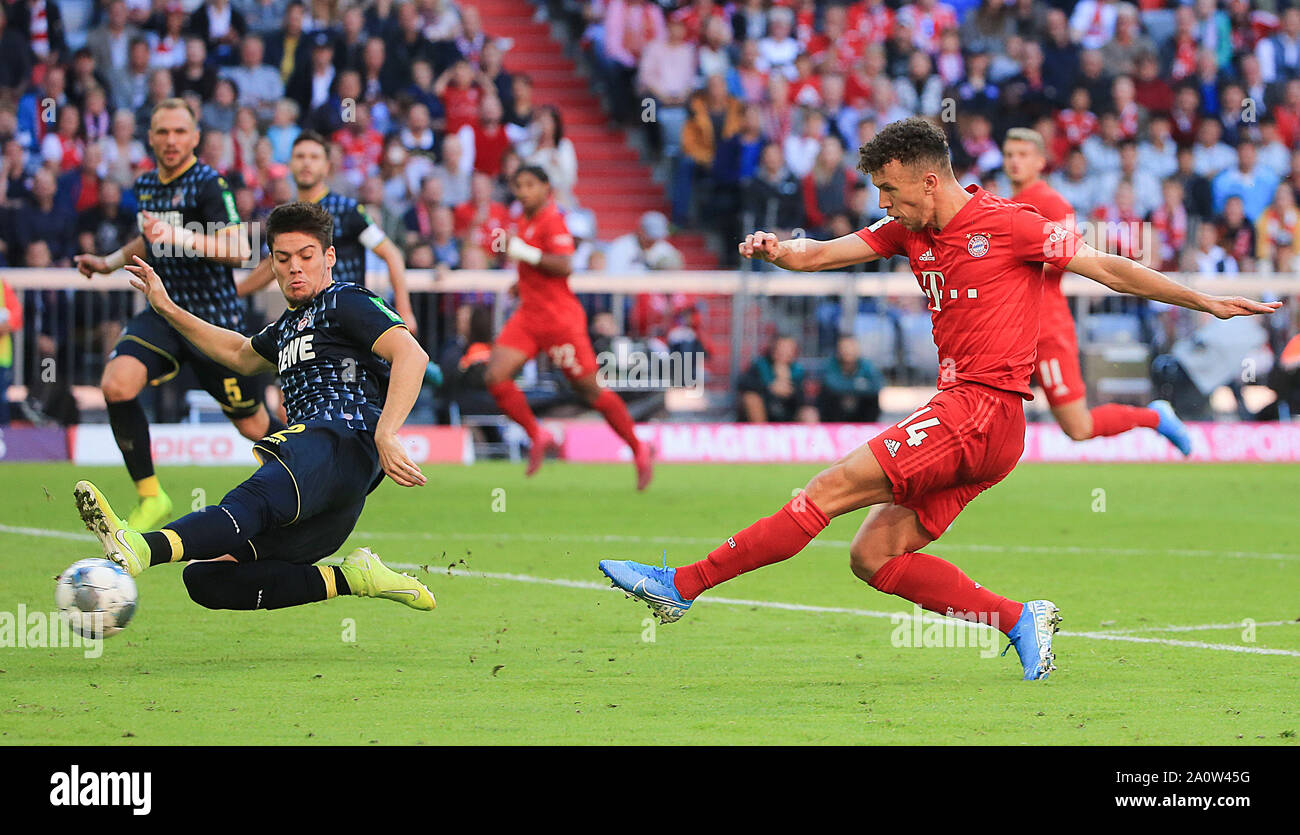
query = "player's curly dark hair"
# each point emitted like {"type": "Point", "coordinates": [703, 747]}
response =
{"type": "Point", "coordinates": [308, 218]}
{"type": "Point", "coordinates": [910, 141]}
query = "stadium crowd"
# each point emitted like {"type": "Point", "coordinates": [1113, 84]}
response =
{"type": "Point", "coordinates": [1184, 115]}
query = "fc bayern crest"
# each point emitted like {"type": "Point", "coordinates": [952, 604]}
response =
{"type": "Point", "coordinates": [978, 246]}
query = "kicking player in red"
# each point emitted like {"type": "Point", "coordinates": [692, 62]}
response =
{"type": "Point", "coordinates": [979, 260]}
{"type": "Point", "coordinates": [1057, 367]}
{"type": "Point", "coordinates": [550, 318]}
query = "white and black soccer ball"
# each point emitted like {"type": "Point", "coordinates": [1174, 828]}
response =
{"type": "Point", "coordinates": [96, 597]}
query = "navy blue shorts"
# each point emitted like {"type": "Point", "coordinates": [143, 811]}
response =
{"type": "Point", "coordinates": [150, 339]}
{"type": "Point", "coordinates": [328, 470]}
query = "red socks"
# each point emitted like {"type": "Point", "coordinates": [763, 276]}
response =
{"type": "Point", "coordinates": [1113, 418]}
{"type": "Point", "coordinates": [778, 537]}
{"type": "Point", "coordinates": [942, 587]}
{"type": "Point", "coordinates": [514, 405]}
{"type": "Point", "coordinates": [616, 415]}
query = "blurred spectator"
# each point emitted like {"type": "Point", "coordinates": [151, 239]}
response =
{"type": "Point", "coordinates": [481, 222]}
{"type": "Point", "coordinates": [1196, 188]}
{"type": "Point", "coordinates": [771, 198]}
{"type": "Point", "coordinates": [1169, 223]}
{"type": "Point", "coordinates": [220, 27]}
{"type": "Point", "coordinates": [105, 227]}
{"type": "Point", "coordinates": [850, 386]}
{"type": "Point", "coordinates": [488, 136]}
{"type": "Point", "coordinates": [43, 220]}
{"type": "Point", "coordinates": [1211, 154]}
{"type": "Point", "coordinates": [645, 249]}
{"type": "Point", "coordinates": [1249, 180]}
{"type": "Point", "coordinates": [630, 26]}
{"type": "Point", "coordinates": [1236, 233]}
{"type": "Point", "coordinates": [826, 188]}
{"type": "Point", "coordinates": [666, 72]}
{"type": "Point", "coordinates": [1145, 183]}
{"type": "Point", "coordinates": [110, 41]}
{"type": "Point", "coordinates": [1122, 51]}
{"type": "Point", "coordinates": [801, 150]}
{"type": "Point", "coordinates": [286, 47]}
{"type": "Point", "coordinates": [419, 218]}
{"type": "Point", "coordinates": [260, 86]}
{"type": "Point", "coordinates": [1075, 183]}
{"type": "Point", "coordinates": [283, 130]}
{"type": "Point", "coordinates": [41, 23]}
{"type": "Point", "coordinates": [547, 146]}
{"type": "Point", "coordinates": [921, 92]}
{"type": "Point", "coordinates": [1279, 54]}
{"type": "Point", "coordinates": [986, 28]}
{"type": "Point", "coordinates": [1157, 153]}
{"type": "Point", "coordinates": [1277, 234]}
{"type": "Point", "coordinates": [772, 388]}
{"type": "Point", "coordinates": [460, 94]}
{"type": "Point", "coordinates": [777, 49]}
{"type": "Point", "coordinates": [195, 73]}
{"type": "Point", "coordinates": [455, 169]}
{"type": "Point", "coordinates": [1208, 256]}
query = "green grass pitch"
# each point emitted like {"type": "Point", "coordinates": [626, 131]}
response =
{"type": "Point", "coordinates": [512, 656]}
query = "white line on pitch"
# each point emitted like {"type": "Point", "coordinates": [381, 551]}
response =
{"type": "Point", "coordinates": [763, 604]}
{"type": "Point", "coordinates": [633, 539]}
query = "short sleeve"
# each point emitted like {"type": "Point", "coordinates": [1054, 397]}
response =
{"type": "Point", "coordinates": [558, 241]}
{"type": "Point", "coordinates": [364, 229]}
{"type": "Point", "coordinates": [1035, 238]}
{"type": "Point", "coordinates": [364, 317]}
{"type": "Point", "coordinates": [217, 203]}
{"type": "Point", "coordinates": [263, 343]}
{"type": "Point", "coordinates": [885, 236]}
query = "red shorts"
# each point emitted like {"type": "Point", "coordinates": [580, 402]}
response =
{"type": "Point", "coordinates": [962, 442]}
{"type": "Point", "coordinates": [564, 340]}
{"type": "Point", "coordinates": [1057, 367]}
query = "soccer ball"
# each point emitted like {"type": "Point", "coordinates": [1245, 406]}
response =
{"type": "Point", "coordinates": [96, 597]}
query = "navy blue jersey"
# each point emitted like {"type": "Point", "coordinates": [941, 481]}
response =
{"type": "Point", "coordinates": [200, 199]}
{"type": "Point", "coordinates": [323, 349]}
{"type": "Point", "coordinates": [354, 233]}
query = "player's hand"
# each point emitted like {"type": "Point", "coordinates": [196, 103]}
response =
{"type": "Point", "coordinates": [761, 245]}
{"type": "Point", "coordinates": [88, 265]}
{"type": "Point", "coordinates": [163, 236]}
{"type": "Point", "coordinates": [147, 281]}
{"type": "Point", "coordinates": [1225, 307]}
{"type": "Point", "coordinates": [396, 463]}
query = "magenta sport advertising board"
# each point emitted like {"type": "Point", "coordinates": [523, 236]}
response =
{"type": "Point", "coordinates": [818, 443]}
{"type": "Point", "coordinates": [33, 443]}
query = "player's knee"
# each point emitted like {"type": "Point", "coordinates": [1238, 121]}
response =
{"type": "Point", "coordinates": [494, 374]}
{"type": "Point", "coordinates": [118, 388]}
{"type": "Point", "coordinates": [866, 558]}
{"type": "Point", "coordinates": [206, 584]}
{"type": "Point", "coordinates": [1076, 431]}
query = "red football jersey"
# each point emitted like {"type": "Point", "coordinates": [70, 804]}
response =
{"type": "Point", "coordinates": [541, 294]}
{"type": "Point", "coordinates": [1055, 312]}
{"type": "Point", "coordinates": [983, 276]}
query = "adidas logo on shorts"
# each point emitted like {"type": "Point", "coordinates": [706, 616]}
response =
{"type": "Point", "coordinates": [891, 446]}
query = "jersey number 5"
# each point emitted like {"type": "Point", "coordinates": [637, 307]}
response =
{"type": "Point", "coordinates": [916, 431]}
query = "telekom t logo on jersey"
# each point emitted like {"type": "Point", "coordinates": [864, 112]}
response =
{"type": "Point", "coordinates": [932, 284]}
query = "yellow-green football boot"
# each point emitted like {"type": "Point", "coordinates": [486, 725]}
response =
{"type": "Point", "coordinates": [121, 544]}
{"type": "Point", "coordinates": [368, 577]}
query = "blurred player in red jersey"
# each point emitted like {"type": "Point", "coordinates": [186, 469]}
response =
{"type": "Point", "coordinates": [1057, 367]}
{"type": "Point", "coordinates": [979, 260]}
{"type": "Point", "coordinates": [550, 318]}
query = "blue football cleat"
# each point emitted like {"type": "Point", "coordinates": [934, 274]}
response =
{"type": "Point", "coordinates": [649, 583]}
{"type": "Point", "coordinates": [433, 375]}
{"type": "Point", "coordinates": [1032, 638]}
{"type": "Point", "coordinates": [1171, 427]}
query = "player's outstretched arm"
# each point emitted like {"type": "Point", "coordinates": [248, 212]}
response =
{"type": "Point", "coordinates": [257, 278]}
{"type": "Point", "coordinates": [397, 277]}
{"type": "Point", "coordinates": [806, 254]}
{"type": "Point", "coordinates": [231, 349]}
{"type": "Point", "coordinates": [228, 245]}
{"type": "Point", "coordinates": [1124, 275]}
{"type": "Point", "coordinates": [405, 378]}
{"type": "Point", "coordinates": [89, 264]}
